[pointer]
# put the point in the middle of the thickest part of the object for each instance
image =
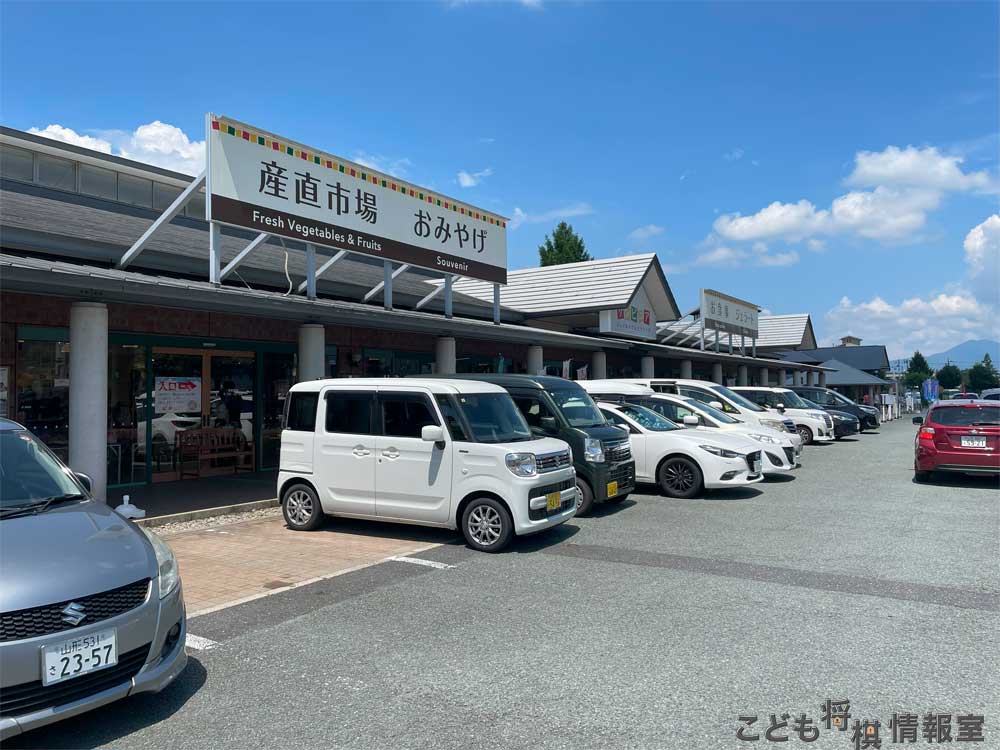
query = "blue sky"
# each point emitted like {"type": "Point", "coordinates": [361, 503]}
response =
{"type": "Point", "coordinates": [837, 159]}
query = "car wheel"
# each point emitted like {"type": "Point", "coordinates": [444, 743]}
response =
{"type": "Point", "coordinates": [486, 525]}
{"type": "Point", "coordinates": [805, 433]}
{"type": "Point", "coordinates": [301, 509]}
{"type": "Point", "coordinates": [921, 476]}
{"type": "Point", "coordinates": [584, 498]}
{"type": "Point", "coordinates": [680, 477]}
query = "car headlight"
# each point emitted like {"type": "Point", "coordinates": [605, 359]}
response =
{"type": "Point", "coordinates": [593, 451]}
{"type": "Point", "coordinates": [839, 418]}
{"type": "Point", "coordinates": [166, 563]}
{"type": "Point", "coordinates": [761, 438]}
{"type": "Point", "coordinates": [869, 409]}
{"type": "Point", "coordinates": [522, 464]}
{"type": "Point", "coordinates": [774, 424]}
{"type": "Point", "coordinates": [816, 415]}
{"type": "Point", "coordinates": [723, 452]}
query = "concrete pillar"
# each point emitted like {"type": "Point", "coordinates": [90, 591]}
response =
{"type": "Point", "coordinates": [312, 352]}
{"type": "Point", "coordinates": [742, 375]}
{"type": "Point", "coordinates": [822, 380]}
{"type": "Point", "coordinates": [444, 356]}
{"type": "Point", "coordinates": [686, 369]}
{"type": "Point", "coordinates": [598, 366]}
{"type": "Point", "coordinates": [813, 378]}
{"type": "Point", "coordinates": [782, 375]}
{"type": "Point", "coordinates": [648, 367]}
{"type": "Point", "coordinates": [88, 393]}
{"type": "Point", "coordinates": [536, 360]}
{"type": "Point", "coordinates": [765, 378]}
{"type": "Point", "coordinates": [717, 373]}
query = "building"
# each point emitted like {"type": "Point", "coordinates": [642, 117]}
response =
{"type": "Point", "coordinates": [117, 350]}
{"type": "Point", "coordinates": [856, 370]}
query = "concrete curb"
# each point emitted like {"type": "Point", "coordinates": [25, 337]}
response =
{"type": "Point", "coordinates": [194, 515]}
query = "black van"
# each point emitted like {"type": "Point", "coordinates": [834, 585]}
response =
{"type": "Point", "coordinates": [555, 407]}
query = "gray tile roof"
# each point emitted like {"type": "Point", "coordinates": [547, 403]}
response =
{"type": "Point", "coordinates": [844, 374]}
{"type": "Point", "coordinates": [866, 358]}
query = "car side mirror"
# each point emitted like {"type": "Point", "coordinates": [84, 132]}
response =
{"type": "Point", "coordinates": [918, 420]}
{"type": "Point", "coordinates": [432, 433]}
{"type": "Point", "coordinates": [690, 421]}
{"type": "Point", "coordinates": [715, 405]}
{"type": "Point", "coordinates": [85, 480]}
{"type": "Point", "coordinates": [548, 425]}
{"type": "Point", "coordinates": [779, 407]}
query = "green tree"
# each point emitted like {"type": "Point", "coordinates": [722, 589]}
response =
{"type": "Point", "coordinates": [565, 246]}
{"type": "Point", "coordinates": [949, 376]}
{"type": "Point", "coordinates": [917, 371]}
{"type": "Point", "coordinates": [982, 375]}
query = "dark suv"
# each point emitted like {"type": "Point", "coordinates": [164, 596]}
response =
{"type": "Point", "coordinates": [832, 401]}
{"type": "Point", "coordinates": [555, 407]}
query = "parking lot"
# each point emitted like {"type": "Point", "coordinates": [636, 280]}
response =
{"type": "Point", "coordinates": [655, 623]}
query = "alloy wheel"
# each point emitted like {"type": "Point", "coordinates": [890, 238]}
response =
{"type": "Point", "coordinates": [678, 476]}
{"type": "Point", "coordinates": [299, 507]}
{"type": "Point", "coordinates": [485, 525]}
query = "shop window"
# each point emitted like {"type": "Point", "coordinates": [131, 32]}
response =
{"type": "Point", "coordinates": [164, 195]}
{"type": "Point", "coordinates": [101, 183]}
{"type": "Point", "coordinates": [56, 173]}
{"type": "Point", "coordinates": [279, 374]}
{"type": "Point", "coordinates": [42, 385]}
{"type": "Point", "coordinates": [127, 419]}
{"type": "Point", "coordinates": [137, 191]}
{"type": "Point", "coordinates": [17, 164]}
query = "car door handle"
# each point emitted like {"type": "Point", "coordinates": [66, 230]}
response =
{"type": "Point", "coordinates": [360, 450]}
{"type": "Point", "coordinates": [390, 453]}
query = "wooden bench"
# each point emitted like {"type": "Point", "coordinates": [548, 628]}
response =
{"type": "Point", "coordinates": [201, 445]}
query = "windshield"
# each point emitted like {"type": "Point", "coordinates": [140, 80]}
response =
{"type": "Point", "coordinates": [493, 418]}
{"type": "Point", "coordinates": [29, 473]}
{"type": "Point", "coordinates": [578, 408]}
{"type": "Point", "coordinates": [792, 400]}
{"type": "Point", "coordinates": [840, 398]}
{"type": "Point", "coordinates": [810, 404]}
{"type": "Point", "coordinates": [736, 398]}
{"type": "Point", "coordinates": [647, 418]}
{"type": "Point", "coordinates": [718, 416]}
{"type": "Point", "coordinates": [965, 416]}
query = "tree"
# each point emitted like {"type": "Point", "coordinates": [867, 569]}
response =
{"type": "Point", "coordinates": [565, 246]}
{"type": "Point", "coordinates": [982, 375]}
{"type": "Point", "coordinates": [949, 376]}
{"type": "Point", "coordinates": [917, 371]}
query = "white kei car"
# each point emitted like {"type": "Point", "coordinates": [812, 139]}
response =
{"type": "Point", "coordinates": [684, 462]}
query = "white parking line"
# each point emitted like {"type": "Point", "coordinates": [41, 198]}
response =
{"type": "Point", "coordinates": [418, 561]}
{"type": "Point", "coordinates": [198, 643]}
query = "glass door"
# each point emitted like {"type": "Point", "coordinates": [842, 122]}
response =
{"type": "Point", "coordinates": [178, 406]}
{"type": "Point", "coordinates": [277, 376]}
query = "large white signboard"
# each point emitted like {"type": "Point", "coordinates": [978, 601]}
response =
{"type": "Point", "coordinates": [635, 321]}
{"type": "Point", "coordinates": [724, 313]}
{"type": "Point", "coordinates": [267, 183]}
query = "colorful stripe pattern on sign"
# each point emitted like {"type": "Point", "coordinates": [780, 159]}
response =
{"type": "Point", "coordinates": [331, 163]}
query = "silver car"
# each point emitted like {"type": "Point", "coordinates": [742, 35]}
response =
{"type": "Point", "coordinates": [91, 608]}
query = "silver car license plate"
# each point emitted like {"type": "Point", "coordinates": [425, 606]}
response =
{"type": "Point", "coordinates": [80, 655]}
{"type": "Point", "coordinates": [969, 441]}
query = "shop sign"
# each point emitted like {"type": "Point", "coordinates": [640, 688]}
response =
{"type": "Point", "coordinates": [177, 395]}
{"type": "Point", "coordinates": [635, 321]}
{"type": "Point", "coordinates": [261, 181]}
{"type": "Point", "coordinates": [724, 313]}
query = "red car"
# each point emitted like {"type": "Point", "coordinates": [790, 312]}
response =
{"type": "Point", "coordinates": [958, 436]}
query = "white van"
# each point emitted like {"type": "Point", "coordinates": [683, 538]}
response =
{"type": "Point", "coordinates": [454, 454]}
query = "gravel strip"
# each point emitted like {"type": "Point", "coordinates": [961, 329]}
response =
{"type": "Point", "coordinates": [200, 524]}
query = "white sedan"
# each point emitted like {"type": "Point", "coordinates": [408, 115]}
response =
{"type": "Point", "coordinates": [684, 462]}
{"type": "Point", "coordinates": [782, 449]}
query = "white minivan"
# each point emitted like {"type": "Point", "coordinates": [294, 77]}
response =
{"type": "Point", "coordinates": [454, 454]}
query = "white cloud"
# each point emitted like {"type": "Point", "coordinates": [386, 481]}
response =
{"type": "Point", "coordinates": [566, 212]}
{"type": "Point", "coordinates": [471, 179]}
{"type": "Point", "coordinates": [793, 221]}
{"type": "Point", "coordinates": [645, 232]}
{"type": "Point", "coordinates": [157, 143]}
{"type": "Point", "coordinates": [884, 213]}
{"type": "Point", "coordinates": [395, 166]}
{"type": "Point", "coordinates": [722, 256]}
{"type": "Point", "coordinates": [982, 259]}
{"type": "Point", "coordinates": [735, 257]}
{"type": "Point", "coordinates": [734, 155]}
{"type": "Point", "coordinates": [914, 167]}
{"type": "Point", "coordinates": [816, 246]}
{"type": "Point", "coordinates": [789, 258]}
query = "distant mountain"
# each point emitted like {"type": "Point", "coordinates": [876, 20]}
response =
{"type": "Point", "coordinates": [967, 354]}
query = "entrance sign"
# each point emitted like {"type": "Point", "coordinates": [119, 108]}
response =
{"type": "Point", "coordinates": [177, 395]}
{"type": "Point", "coordinates": [721, 312]}
{"type": "Point", "coordinates": [267, 183]}
{"type": "Point", "coordinates": [635, 321]}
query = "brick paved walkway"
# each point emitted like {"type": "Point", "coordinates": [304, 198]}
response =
{"type": "Point", "coordinates": [231, 563]}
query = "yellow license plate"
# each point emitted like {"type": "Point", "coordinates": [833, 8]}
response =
{"type": "Point", "coordinates": [612, 489]}
{"type": "Point", "coordinates": [554, 500]}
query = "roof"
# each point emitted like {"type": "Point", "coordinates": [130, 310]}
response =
{"type": "Point", "coordinates": [539, 382]}
{"type": "Point", "coordinates": [605, 284]}
{"type": "Point", "coordinates": [435, 385]}
{"type": "Point", "coordinates": [791, 331]}
{"type": "Point", "coordinates": [614, 387]}
{"type": "Point", "coordinates": [843, 374]}
{"type": "Point", "coordinates": [867, 358]}
{"type": "Point", "coordinates": [7, 425]}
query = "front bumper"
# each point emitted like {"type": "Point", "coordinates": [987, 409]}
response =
{"type": "Point", "coordinates": [142, 630]}
{"type": "Point", "coordinates": [843, 429]}
{"type": "Point", "coordinates": [719, 472]}
{"type": "Point", "coordinates": [530, 511]}
{"type": "Point", "coordinates": [601, 476]}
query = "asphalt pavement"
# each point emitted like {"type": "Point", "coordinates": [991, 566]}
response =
{"type": "Point", "coordinates": [656, 623]}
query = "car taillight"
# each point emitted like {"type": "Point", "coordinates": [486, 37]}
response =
{"type": "Point", "coordinates": [926, 432]}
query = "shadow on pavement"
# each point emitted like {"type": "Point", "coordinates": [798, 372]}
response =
{"type": "Point", "coordinates": [964, 481]}
{"type": "Point", "coordinates": [385, 530]}
{"type": "Point", "coordinates": [736, 493]}
{"type": "Point", "coordinates": [549, 538]}
{"type": "Point", "coordinates": [847, 440]}
{"type": "Point", "coordinates": [779, 478]}
{"type": "Point", "coordinates": [116, 720]}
